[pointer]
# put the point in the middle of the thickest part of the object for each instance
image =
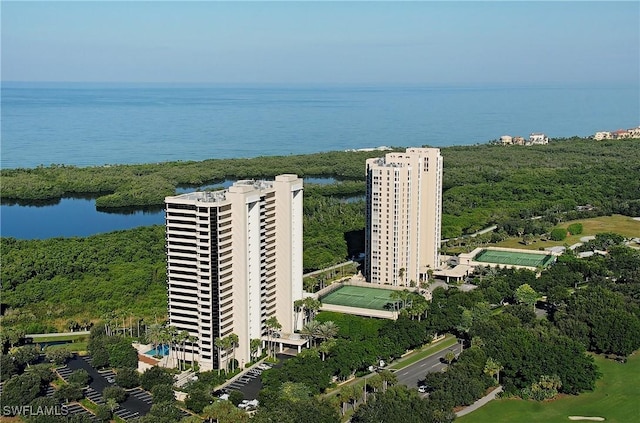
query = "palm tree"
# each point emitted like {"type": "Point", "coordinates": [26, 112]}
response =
{"type": "Point", "coordinates": [172, 338]}
{"type": "Point", "coordinates": [108, 322]}
{"type": "Point", "coordinates": [226, 345]}
{"type": "Point", "coordinates": [233, 341]}
{"type": "Point", "coordinates": [112, 404]}
{"type": "Point", "coordinates": [154, 335]}
{"type": "Point", "coordinates": [254, 347]}
{"type": "Point", "coordinates": [310, 284]}
{"type": "Point", "coordinates": [183, 337]}
{"type": "Point", "coordinates": [326, 330]}
{"type": "Point", "coordinates": [72, 325]}
{"type": "Point", "coordinates": [310, 330]}
{"type": "Point", "coordinates": [493, 368]}
{"type": "Point", "coordinates": [219, 344]}
{"type": "Point", "coordinates": [298, 306]}
{"type": "Point", "coordinates": [429, 275]}
{"type": "Point", "coordinates": [401, 275]}
{"type": "Point", "coordinates": [388, 379]}
{"type": "Point", "coordinates": [396, 296]}
{"type": "Point", "coordinates": [311, 307]}
{"type": "Point", "coordinates": [192, 340]}
{"type": "Point", "coordinates": [86, 324]}
{"type": "Point", "coordinates": [345, 396]}
{"type": "Point", "coordinates": [272, 326]}
{"type": "Point", "coordinates": [352, 394]}
{"type": "Point", "coordinates": [165, 338]}
{"type": "Point", "coordinates": [375, 382]}
{"type": "Point", "coordinates": [326, 347]}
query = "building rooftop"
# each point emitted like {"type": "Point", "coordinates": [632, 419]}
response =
{"type": "Point", "coordinates": [204, 196]}
{"type": "Point", "coordinates": [257, 184]}
{"type": "Point", "coordinates": [221, 195]}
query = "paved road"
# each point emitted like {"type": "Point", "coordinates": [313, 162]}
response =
{"type": "Point", "coordinates": [413, 374]}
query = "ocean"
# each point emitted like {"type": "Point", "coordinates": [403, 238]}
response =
{"type": "Point", "coordinates": [97, 124]}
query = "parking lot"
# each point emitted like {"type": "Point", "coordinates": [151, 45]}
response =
{"type": "Point", "coordinates": [250, 383]}
{"type": "Point", "coordinates": [138, 402]}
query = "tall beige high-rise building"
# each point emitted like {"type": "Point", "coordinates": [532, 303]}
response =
{"type": "Point", "coordinates": [404, 209]}
{"type": "Point", "coordinates": [234, 259]}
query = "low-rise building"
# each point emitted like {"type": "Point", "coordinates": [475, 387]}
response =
{"type": "Point", "coordinates": [634, 132]}
{"type": "Point", "coordinates": [621, 134]}
{"type": "Point", "coordinates": [602, 135]}
{"type": "Point", "coordinates": [506, 140]}
{"type": "Point", "coordinates": [538, 138]}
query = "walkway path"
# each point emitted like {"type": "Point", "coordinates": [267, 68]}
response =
{"type": "Point", "coordinates": [337, 266]}
{"type": "Point", "coordinates": [482, 401]}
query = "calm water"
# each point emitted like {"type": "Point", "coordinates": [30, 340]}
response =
{"type": "Point", "coordinates": [78, 216]}
{"type": "Point", "coordinates": [102, 124]}
{"type": "Point", "coordinates": [70, 217]}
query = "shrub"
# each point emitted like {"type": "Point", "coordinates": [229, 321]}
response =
{"type": "Point", "coordinates": [122, 354]}
{"type": "Point", "coordinates": [80, 377]}
{"type": "Point", "coordinates": [155, 376]}
{"type": "Point", "coordinates": [163, 393]}
{"type": "Point", "coordinates": [128, 378]}
{"type": "Point", "coordinates": [70, 392]}
{"type": "Point", "coordinates": [115, 392]}
{"type": "Point", "coordinates": [198, 400]}
{"type": "Point", "coordinates": [103, 412]}
{"type": "Point", "coordinates": [58, 356]}
{"type": "Point", "coordinates": [575, 228]}
{"type": "Point", "coordinates": [235, 397]}
{"type": "Point", "coordinates": [558, 234]}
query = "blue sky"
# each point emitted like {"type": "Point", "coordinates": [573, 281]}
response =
{"type": "Point", "coordinates": [322, 42]}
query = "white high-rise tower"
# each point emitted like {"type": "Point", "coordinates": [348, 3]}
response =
{"type": "Point", "coordinates": [404, 209]}
{"type": "Point", "coordinates": [234, 259]}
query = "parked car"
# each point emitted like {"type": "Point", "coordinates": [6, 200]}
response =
{"type": "Point", "coordinates": [422, 389]}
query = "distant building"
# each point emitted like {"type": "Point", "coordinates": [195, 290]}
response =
{"type": "Point", "coordinates": [621, 134]}
{"type": "Point", "coordinates": [518, 141]}
{"type": "Point", "coordinates": [234, 259]}
{"type": "Point", "coordinates": [506, 140]}
{"type": "Point", "coordinates": [603, 135]}
{"type": "Point", "coordinates": [634, 132]}
{"type": "Point", "coordinates": [538, 139]}
{"type": "Point", "coordinates": [403, 216]}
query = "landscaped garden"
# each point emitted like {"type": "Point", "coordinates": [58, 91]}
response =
{"type": "Point", "coordinates": [615, 399]}
{"type": "Point", "coordinates": [623, 225]}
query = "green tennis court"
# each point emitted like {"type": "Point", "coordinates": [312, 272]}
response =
{"type": "Point", "coordinates": [357, 296]}
{"type": "Point", "coordinates": [514, 258]}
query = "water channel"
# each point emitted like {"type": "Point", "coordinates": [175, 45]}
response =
{"type": "Point", "coordinates": [71, 217]}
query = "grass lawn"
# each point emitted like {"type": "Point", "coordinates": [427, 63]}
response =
{"type": "Point", "coordinates": [425, 351]}
{"type": "Point", "coordinates": [54, 338]}
{"type": "Point", "coordinates": [616, 398]}
{"type": "Point", "coordinates": [73, 346]}
{"type": "Point", "coordinates": [619, 224]}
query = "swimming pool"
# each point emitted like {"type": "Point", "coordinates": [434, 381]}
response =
{"type": "Point", "coordinates": [162, 350]}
